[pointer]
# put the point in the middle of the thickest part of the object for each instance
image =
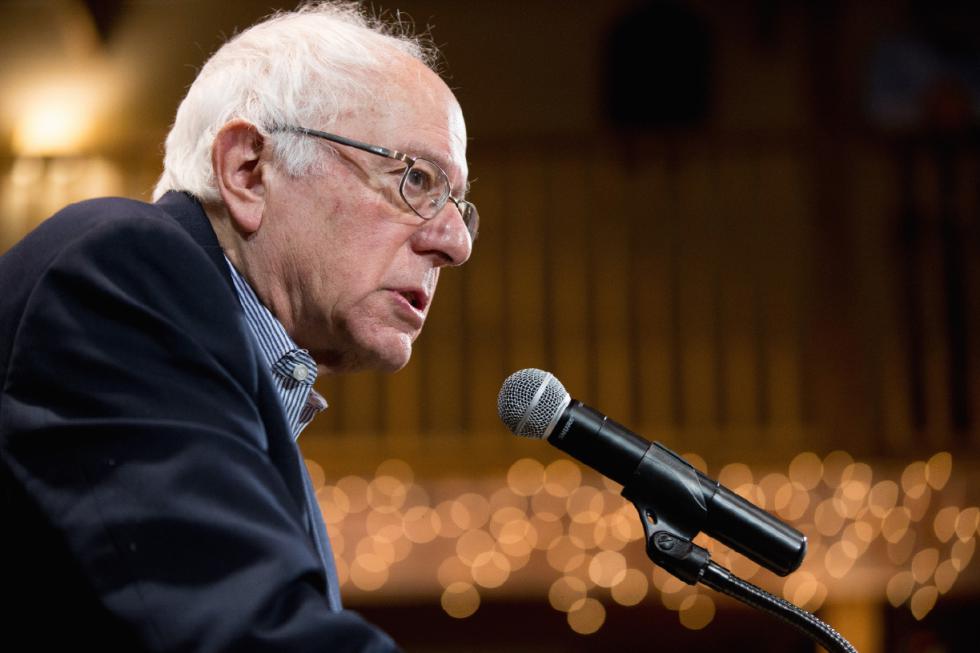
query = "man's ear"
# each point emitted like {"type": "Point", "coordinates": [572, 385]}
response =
{"type": "Point", "coordinates": [235, 157]}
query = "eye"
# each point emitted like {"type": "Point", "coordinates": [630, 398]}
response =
{"type": "Point", "coordinates": [419, 180]}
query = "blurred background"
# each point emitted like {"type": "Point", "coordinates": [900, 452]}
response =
{"type": "Point", "coordinates": [746, 229]}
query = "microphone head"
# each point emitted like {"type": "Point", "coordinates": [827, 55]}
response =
{"type": "Point", "coordinates": [530, 403]}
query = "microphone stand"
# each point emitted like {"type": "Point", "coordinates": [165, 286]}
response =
{"type": "Point", "coordinates": [683, 559]}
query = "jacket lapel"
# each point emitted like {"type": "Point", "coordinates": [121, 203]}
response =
{"type": "Point", "coordinates": [283, 453]}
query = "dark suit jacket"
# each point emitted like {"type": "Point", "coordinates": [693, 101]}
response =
{"type": "Point", "coordinates": [152, 497]}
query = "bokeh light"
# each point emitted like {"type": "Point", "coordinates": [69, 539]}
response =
{"type": "Point", "coordinates": [526, 477]}
{"type": "Point", "coordinates": [460, 600]}
{"type": "Point", "coordinates": [586, 616]}
{"type": "Point", "coordinates": [562, 477]}
{"type": "Point", "coordinates": [923, 600]}
{"type": "Point", "coordinates": [607, 568]}
{"type": "Point", "coordinates": [834, 465]}
{"type": "Point", "coordinates": [632, 589]}
{"type": "Point", "coordinates": [806, 469]}
{"type": "Point", "coordinates": [899, 588]}
{"type": "Point", "coordinates": [967, 522]}
{"type": "Point", "coordinates": [735, 475]}
{"type": "Point", "coordinates": [938, 470]}
{"type": "Point", "coordinates": [566, 592]}
{"type": "Point", "coordinates": [697, 611]}
{"type": "Point", "coordinates": [914, 479]}
{"type": "Point", "coordinates": [883, 497]}
{"type": "Point", "coordinates": [573, 524]}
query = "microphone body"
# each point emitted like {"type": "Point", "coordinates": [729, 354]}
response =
{"type": "Point", "coordinates": [668, 489]}
{"type": "Point", "coordinates": [678, 495]}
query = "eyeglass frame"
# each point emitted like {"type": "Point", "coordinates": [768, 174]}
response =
{"type": "Point", "coordinates": [404, 158]}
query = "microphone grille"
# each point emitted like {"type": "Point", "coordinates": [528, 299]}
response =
{"type": "Point", "coordinates": [530, 401]}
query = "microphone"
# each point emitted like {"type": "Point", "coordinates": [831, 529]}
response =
{"type": "Point", "coordinates": [534, 404]}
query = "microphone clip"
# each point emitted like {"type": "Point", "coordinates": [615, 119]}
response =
{"type": "Point", "coordinates": [674, 553]}
{"type": "Point", "coordinates": [666, 480]}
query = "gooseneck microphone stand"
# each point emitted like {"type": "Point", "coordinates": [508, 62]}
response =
{"type": "Point", "coordinates": [692, 564]}
{"type": "Point", "coordinates": [675, 500]}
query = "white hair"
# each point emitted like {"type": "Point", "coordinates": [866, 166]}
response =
{"type": "Point", "coordinates": [299, 68]}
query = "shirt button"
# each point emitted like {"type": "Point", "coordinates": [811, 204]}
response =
{"type": "Point", "coordinates": [300, 372]}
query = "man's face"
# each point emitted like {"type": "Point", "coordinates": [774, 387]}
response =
{"type": "Point", "coordinates": [343, 263]}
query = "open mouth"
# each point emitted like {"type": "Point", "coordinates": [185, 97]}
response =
{"type": "Point", "coordinates": [415, 298]}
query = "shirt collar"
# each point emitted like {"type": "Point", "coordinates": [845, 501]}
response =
{"type": "Point", "coordinates": [293, 369]}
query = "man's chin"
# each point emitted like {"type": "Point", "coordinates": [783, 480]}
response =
{"type": "Point", "coordinates": [393, 358]}
{"type": "Point", "coordinates": [387, 360]}
{"type": "Point", "coordinates": [389, 355]}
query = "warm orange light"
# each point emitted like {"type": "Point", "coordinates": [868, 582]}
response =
{"type": "Point", "coordinates": [452, 570]}
{"type": "Point", "coordinates": [397, 468]}
{"type": "Point", "coordinates": [586, 616]}
{"type": "Point", "coordinates": [962, 553]}
{"type": "Point", "coordinates": [315, 470]}
{"type": "Point", "coordinates": [945, 576]}
{"type": "Point", "coordinates": [967, 523]}
{"type": "Point", "coordinates": [806, 469]}
{"type": "Point", "coordinates": [421, 524]}
{"type": "Point", "coordinates": [517, 538]}
{"type": "Point", "coordinates": [565, 592]}
{"type": "Point", "coordinates": [585, 504]}
{"type": "Point", "coordinates": [526, 476]}
{"type": "Point", "coordinates": [632, 589]}
{"type": "Point", "coordinates": [57, 115]}
{"type": "Point", "coordinates": [583, 535]}
{"type": "Point", "coordinates": [460, 600]}
{"type": "Point", "coordinates": [938, 469]}
{"type": "Point", "coordinates": [923, 601]}
{"type": "Point", "coordinates": [472, 544]}
{"type": "Point", "coordinates": [564, 555]}
{"type": "Point", "coordinates": [883, 497]}
{"type": "Point", "coordinates": [355, 491]}
{"type": "Point", "coordinates": [491, 569]}
{"type": "Point", "coordinates": [369, 572]}
{"type": "Point", "coordinates": [575, 524]}
{"type": "Point", "coordinates": [334, 504]}
{"type": "Point", "coordinates": [800, 587]}
{"type": "Point", "coordinates": [562, 477]}
{"type": "Point", "coordinates": [944, 523]}
{"type": "Point", "coordinates": [734, 475]}
{"type": "Point", "coordinates": [697, 611]}
{"type": "Point", "coordinates": [924, 564]}
{"type": "Point", "coordinates": [544, 532]}
{"type": "Point", "coordinates": [386, 493]}
{"type": "Point", "coordinates": [899, 588]}
{"type": "Point", "coordinates": [607, 568]}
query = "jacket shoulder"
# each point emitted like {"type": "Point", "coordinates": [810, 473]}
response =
{"type": "Point", "coordinates": [117, 248]}
{"type": "Point", "coordinates": [100, 218]}
{"type": "Point", "coordinates": [84, 224]}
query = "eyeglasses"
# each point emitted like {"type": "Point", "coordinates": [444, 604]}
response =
{"type": "Point", "coordinates": [424, 186]}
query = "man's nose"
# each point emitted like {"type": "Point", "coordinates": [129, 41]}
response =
{"type": "Point", "coordinates": [446, 234]}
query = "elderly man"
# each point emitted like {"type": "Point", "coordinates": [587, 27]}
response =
{"type": "Point", "coordinates": [158, 359]}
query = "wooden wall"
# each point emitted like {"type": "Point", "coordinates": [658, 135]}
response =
{"type": "Point", "coordinates": [706, 293]}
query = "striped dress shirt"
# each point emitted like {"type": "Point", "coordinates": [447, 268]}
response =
{"type": "Point", "coordinates": [293, 369]}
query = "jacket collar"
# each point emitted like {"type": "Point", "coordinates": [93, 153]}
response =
{"type": "Point", "coordinates": [187, 211]}
{"type": "Point", "coordinates": [189, 214]}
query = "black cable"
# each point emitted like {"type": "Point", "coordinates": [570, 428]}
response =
{"type": "Point", "coordinates": [720, 579]}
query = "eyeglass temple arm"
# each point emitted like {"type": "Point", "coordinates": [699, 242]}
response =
{"type": "Point", "coordinates": [343, 140]}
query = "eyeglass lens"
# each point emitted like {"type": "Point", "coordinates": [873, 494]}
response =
{"type": "Point", "coordinates": [425, 188]}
